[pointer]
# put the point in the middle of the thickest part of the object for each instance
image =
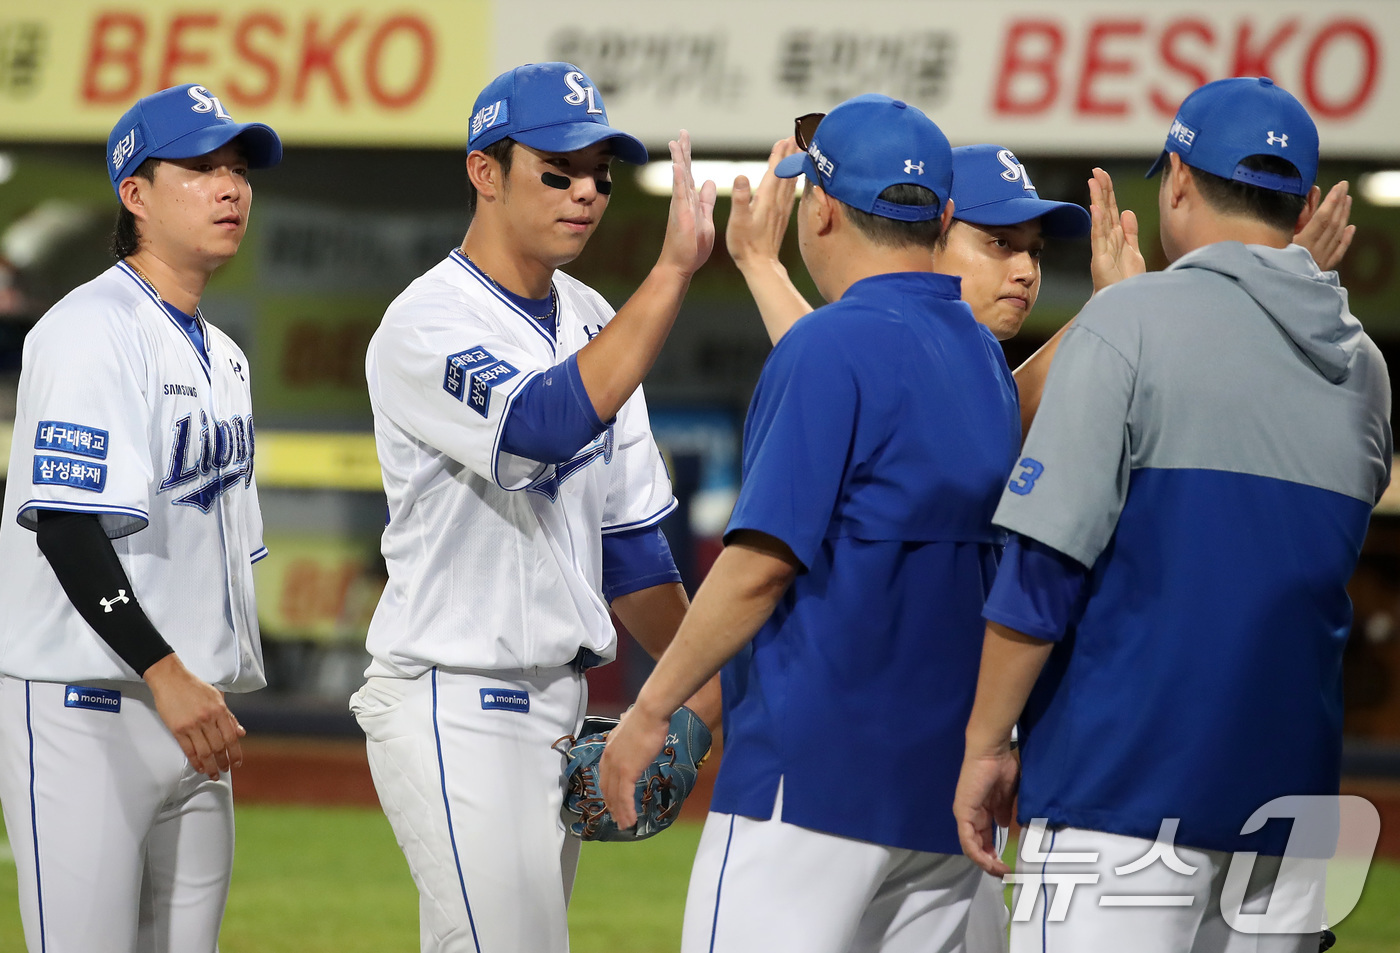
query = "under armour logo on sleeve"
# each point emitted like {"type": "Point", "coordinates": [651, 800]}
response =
{"type": "Point", "coordinates": [108, 603]}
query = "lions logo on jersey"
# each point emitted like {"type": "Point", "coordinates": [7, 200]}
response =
{"type": "Point", "coordinates": [224, 457]}
{"type": "Point", "coordinates": [548, 485]}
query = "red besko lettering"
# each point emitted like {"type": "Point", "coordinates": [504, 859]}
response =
{"type": "Point", "coordinates": [1258, 60]}
{"type": "Point", "coordinates": [1309, 58]}
{"type": "Point", "coordinates": [176, 55]}
{"type": "Point", "coordinates": [1097, 63]}
{"type": "Point", "coordinates": [416, 31]}
{"type": "Point", "coordinates": [1032, 50]}
{"type": "Point", "coordinates": [115, 46]}
{"type": "Point", "coordinates": [1368, 48]}
{"type": "Point", "coordinates": [1173, 57]}
{"type": "Point", "coordinates": [256, 57]}
{"type": "Point", "coordinates": [320, 56]}
{"type": "Point", "coordinates": [380, 63]}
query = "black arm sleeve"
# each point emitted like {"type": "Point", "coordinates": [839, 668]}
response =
{"type": "Point", "coordinates": [87, 568]}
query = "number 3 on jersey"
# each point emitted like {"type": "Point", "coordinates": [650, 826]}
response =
{"type": "Point", "coordinates": [1024, 481]}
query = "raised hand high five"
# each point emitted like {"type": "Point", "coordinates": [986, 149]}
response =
{"type": "Point", "coordinates": [690, 228]}
{"type": "Point", "coordinates": [1113, 239]}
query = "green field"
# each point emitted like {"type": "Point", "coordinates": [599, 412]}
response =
{"type": "Point", "coordinates": [332, 880]}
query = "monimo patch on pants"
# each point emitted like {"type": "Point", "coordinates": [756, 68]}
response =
{"type": "Point", "coordinates": [505, 699]}
{"type": "Point", "coordinates": [95, 699]}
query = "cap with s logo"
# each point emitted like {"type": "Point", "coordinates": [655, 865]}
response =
{"type": "Point", "coordinates": [992, 187]}
{"type": "Point", "coordinates": [553, 107]}
{"type": "Point", "coordinates": [1225, 122]}
{"type": "Point", "coordinates": [180, 123]}
{"type": "Point", "coordinates": [869, 143]}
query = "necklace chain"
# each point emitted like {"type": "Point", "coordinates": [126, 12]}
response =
{"type": "Point", "coordinates": [142, 275]}
{"type": "Point", "coordinates": [553, 297]}
{"type": "Point", "coordinates": [156, 291]}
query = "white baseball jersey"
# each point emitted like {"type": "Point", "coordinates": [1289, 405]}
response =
{"type": "Point", "coordinates": [494, 561]}
{"type": "Point", "coordinates": [121, 415]}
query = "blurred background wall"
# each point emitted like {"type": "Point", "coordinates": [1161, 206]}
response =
{"type": "Point", "coordinates": [372, 101]}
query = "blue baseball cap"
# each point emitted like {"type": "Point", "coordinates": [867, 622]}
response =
{"type": "Point", "coordinates": [549, 106]}
{"type": "Point", "coordinates": [180, 123]}
{"type": "Point", "coordinates": [869, 143]}
{"type": "Point", "coordinates": [1224, 122]}
{"type": "Point", "coordinates": [992, 187]}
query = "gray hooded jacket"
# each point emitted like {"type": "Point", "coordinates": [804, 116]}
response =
{"type": "Point", "coordinates": [1240, 358]}
{"type": "Point", "coordinates": [1210, 444]}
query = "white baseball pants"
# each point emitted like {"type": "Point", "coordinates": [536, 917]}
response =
{"type": "Point", "coordinates": [120, 845]}
{"type": "Point", "coordinates": [473, 789]}
{"type": "Point", "coordinates": [1184, 914]}
{"type": "Point", "coordinates": [772, 887]}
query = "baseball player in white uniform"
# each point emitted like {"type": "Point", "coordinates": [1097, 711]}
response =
{"type": "Point", "coordinates": [524, 493]}
{"type": "Point", "coordinates": [129, 531]}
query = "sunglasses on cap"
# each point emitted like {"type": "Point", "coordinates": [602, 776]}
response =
{"type": "Point", "coordinates": [805, 127]}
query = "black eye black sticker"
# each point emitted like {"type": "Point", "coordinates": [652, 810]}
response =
{"type": "Point", "coordinates": [562, 182]}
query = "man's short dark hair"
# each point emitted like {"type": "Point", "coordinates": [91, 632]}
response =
{"type": "Point", "coordinates": [1279, 210]}
{"type": "Point", "coordinates": [500, 150]}
{"type": "Point", "coordinates": [891, 232]}
{"type": "Point", "coordinates": [125, 236]}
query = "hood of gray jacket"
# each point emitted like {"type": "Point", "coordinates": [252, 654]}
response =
{"type": "Point", "coordinates": [1308, 304]}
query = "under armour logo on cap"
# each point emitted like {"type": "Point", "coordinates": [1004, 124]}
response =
{"type": "Point", "coordinates": [854, 156]}
{"type": "Point", "coordinates": [1221, 125]}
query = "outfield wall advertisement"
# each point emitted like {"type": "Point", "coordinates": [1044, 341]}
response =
{"type": "Point", "coordinates": [1069, 77]}
{"type": "Point", "coordinates": [1073, 76]}
{"type": "Point", "coordinates": [323, 71]}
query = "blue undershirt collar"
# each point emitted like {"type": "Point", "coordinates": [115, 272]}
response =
{"type": "Point", "coordinates": [541, 309]}
{"type": "Point", "coordinates": [191, 325]}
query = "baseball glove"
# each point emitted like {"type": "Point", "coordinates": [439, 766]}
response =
{"type": "Point", "coordinates": [662, 788]}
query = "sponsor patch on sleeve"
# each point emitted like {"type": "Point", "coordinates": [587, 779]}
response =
{"type": "Point", "coordinates": [71, 438]}
{"type": "Point", "coordinates": [461, 364]}
{"type": "Point", "coordinates": [504, 699]}
{"type": "Point", "coordinates": [481, 382]}
{"type": "Point", "coordinates": [93, 699]}
{"type": "Point", "coordinates": [60, 471]}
